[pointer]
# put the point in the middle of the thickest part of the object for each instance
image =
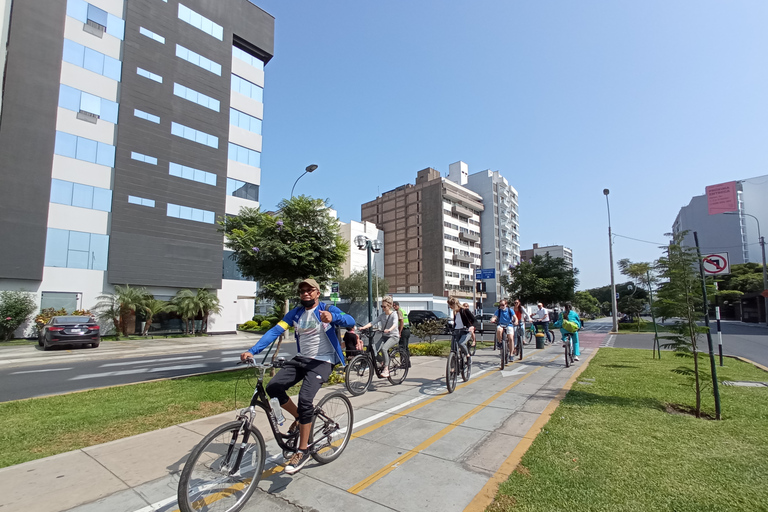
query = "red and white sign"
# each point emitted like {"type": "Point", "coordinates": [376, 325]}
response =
{"type": "Point", "coordinates": [717, 264]}
{"type": "Point", "coordinates": [722, 198]}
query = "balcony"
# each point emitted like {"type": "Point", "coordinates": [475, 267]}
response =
{"type": "Point", "coordinates": [465, 282]}
{"type": "Point", "coordinates": [462, 211]}
{"type": "Point", "coordinates": [468, 237]}
{"type": "Point", "coordinates": [463, 259]}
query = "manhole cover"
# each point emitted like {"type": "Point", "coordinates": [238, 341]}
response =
{"type": "Point", "coordinates": [745, 383]}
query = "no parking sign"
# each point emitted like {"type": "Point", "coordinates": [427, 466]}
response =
{"type": "Point", "coordinates": [716, 264]}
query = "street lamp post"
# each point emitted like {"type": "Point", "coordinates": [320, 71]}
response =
{"type": "Point", "coordinates": [762, 246]}
{"type": "Point", "coordinates": [610, 252]}
{"type": "Point", "coordinates": [310, 168]}
{"type": "Point", "coordinates": [366, 244]}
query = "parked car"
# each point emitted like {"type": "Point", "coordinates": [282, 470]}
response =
{"type": "Point", "coordinates": [417, 316]}
{"type": "Point", "coordinates": [69, 330]}
{"type": "Point", "coordinates": [487, 325]}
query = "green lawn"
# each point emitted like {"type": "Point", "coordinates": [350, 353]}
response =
{"type": "Point", "coordinates": [611, 446]}
{"type": "Point", "coordinates": [40, 427]}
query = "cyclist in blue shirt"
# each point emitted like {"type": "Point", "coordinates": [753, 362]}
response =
{"type": "Point", "coordinates": [506, 320]}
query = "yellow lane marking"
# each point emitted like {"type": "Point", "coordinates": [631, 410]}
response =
{"type": "Point", "coordinates": [488, 493]}
{"type": "Point", "coordinates": [363, 484]}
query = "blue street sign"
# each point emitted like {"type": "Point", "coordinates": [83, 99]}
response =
{"type": "Point", "coordinates": [485, 273]}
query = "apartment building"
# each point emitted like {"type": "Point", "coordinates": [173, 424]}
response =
{"type": "Point", "coordinates": [554, 251]}
{"type": "Point", "coordinates": [431, 235]}
{"type": "Point", "coordinates": [499, 222]}
{"type": "Point", "coordinates": [128, 128]}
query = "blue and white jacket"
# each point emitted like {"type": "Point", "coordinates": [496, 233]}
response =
{"type": "Point", "coordinates": [340, 319]}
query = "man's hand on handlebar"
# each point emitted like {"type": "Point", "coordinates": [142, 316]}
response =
{"type": "Point", "coordinates": [245, 356]}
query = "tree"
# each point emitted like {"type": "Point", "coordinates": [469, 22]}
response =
{"type": "Point", "coordinates": [586, 303]}
{"type": "Point", "coordinates": [151, 307]}
{"type": "Point", "coordinates": [188, 305]}
{"type": "Point", "coordinates": [355, 287]}
{"type": "Point", "coordinates": [209, 303]}
{"type": "Point", "coordinates": [543, 279]}
{"type": "Point", "coordinates": [120, 307]}
{"type": "Point", "coordinates": [428, 329]}
{"type": "Point", "coordinates": [15, 308]}
{"type": "Point", "coordinates": [680, 296]}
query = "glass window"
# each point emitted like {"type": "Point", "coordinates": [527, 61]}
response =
{"type": "Point", "coordinates": [78, 9]}
{"type": "Point", "coordinates": [99, 251]}
{"type": "Point", "coordinates": [247, 57]}
{"type": "Point", "coordinates": [113, 68]}
{"type": "Point", "coordinates": [56, 247]}
{"type": "Point", "coordinates": [66, 144]}
{"type": "Point", "coordinates": [151, 35]}
{"type": "Point", "coordinates": [115, 27]}
{"type": "Point", "coordinates": [195, 97]}
{"type": "Point", "coordinates": [73, 53]}
{"type": "Point", "coordinates": [201, 22]}
{"type": "Point", "coordinates": [244, 155]}
{"type": "Point", "coordinates": [82, 196]}
{"type": "Point", "coordinates": [97, 15]}
{"type": "Point", "coordinates": [247, 88]}
{"type": "Point", "coordinates": [143, 158]}
{"type": "Point", "coordinates": [94, 61]}
{"type": "Point", "coordinates": [194, 135]}
{"type": "Point", "coordinates": [147, 74]}
{"type": "Point", "coordinates": [208, 217]}
{"type": "Point", "coordinates": [198, 60]}
{"type": "Point", "coordinates": [61, 192]}
{"type": "Point", "coordinates": [102, 199]}
{"type": "Point", "coordinates": [79, 241]}
{"type": "Point", "coordinates": [109, 110]}
{"type": "Point", "coordinates": [69, 98]}
{"type": "Point", "coordinates": [141, 201]}
{"type": "Point", "coordinates": [146, 115]}
{"type": "Point", "coordinates": [237, 188]}
{"type": "Point", "coordinates": [229, 268]}
{"type": "Point", "coordinates": [173, 210]}
{"type": "Point", "coordinates": [245, 121]}
{"type": "Point", "coordinates": [58, 300]}
{"type": "Point", "coordinates": [105, 155]}
{"type": "Point", "coordinates": [187, 213]}
{"type": "Point", "coordinates": [90, 103]}
{"type": "Point", "coordinates": [86, 149]}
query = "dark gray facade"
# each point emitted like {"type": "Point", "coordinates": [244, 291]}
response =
{"type": "Point", "coordinates": [27, 134]}
{"type": "Point", "coordinates": [146, 246]}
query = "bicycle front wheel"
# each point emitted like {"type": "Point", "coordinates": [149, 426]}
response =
{"type": "Point", "coordinates": [331, 427]}
{"type": "Point", "coordinates": [212, 480]}
{"type": "Point", "coordinates": [398, 366]}
{"type": "Point", "coordinates": [466, 368]}
{"type": "Point", "coordinates": [528, 336]}
{"type": "Point", "coordinates": [567, 345]}
{"type": "Point", "coordinates": [520, 346]}
{"type": "Point", "coordinates": [503, 352]}
{"type": "Point", "coordinates": [451, 372]}
{"type": "Point", "coordinates": [551, 336]}
{"type": "Point", "coordinates": [358, 375]}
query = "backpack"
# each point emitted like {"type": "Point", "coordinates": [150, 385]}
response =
{"type": "Point", "coordinates": [570, 326]}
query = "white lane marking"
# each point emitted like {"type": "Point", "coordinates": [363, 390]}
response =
{"type": "Point", "coordinates": [137, 371]}
{"type": "Point", "coordinates": [41, 371]}
{"type": "Point", "coordinates": [516, 371]}
{"type": "Point", "coordinates": [150, 361]}
{"type": "Point", "coordinates": [609, 341]}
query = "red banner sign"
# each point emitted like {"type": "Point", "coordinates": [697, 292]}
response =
{"type": "Point", "coordinates": [722, 198]}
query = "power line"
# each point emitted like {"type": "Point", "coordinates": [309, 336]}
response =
{"type": "Point", "coordinates": [638, 240]}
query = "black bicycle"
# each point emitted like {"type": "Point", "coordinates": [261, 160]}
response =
{"type": "Point", "coordinates": [568, 345]}
{"type": "Point", "coordinates": [360, 368]}
{"type": "Point", "coordinates": [531, 333]}
{"type": "Point", "coordinates": [224, 469]}
{"type": "Point", "coordinates": [503, 345]}
{"type": "Point", "coordinates": [457, 363]}
{"type": "Point", "coordinates": [518, 341]}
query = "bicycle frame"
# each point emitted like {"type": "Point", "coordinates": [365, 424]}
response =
{"type": "Point", "coordinates": [370, 352]}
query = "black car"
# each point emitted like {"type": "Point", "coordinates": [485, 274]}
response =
{"type": "Point", "coordinates": [69, 330]}
{"type": "Point", "coordinates": [487, 325]}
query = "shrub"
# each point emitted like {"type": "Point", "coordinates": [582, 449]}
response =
{"type": "Point", "coordinates": [15, 309]}
{"type": "Point", "coordinates": [429, 349]}
{"type": "Point", "coordinates": [258, 318]}
{"type": "Point", "coordinates": [428, 329]}
{"type": "Point", "coordinates": [265, 325]}
{"type": "Point", "coordinates": [250, 325]}
{"type": "Point", "coordinates": [272, 320]}
{"type": "Point", "coordinates": [42, 318]}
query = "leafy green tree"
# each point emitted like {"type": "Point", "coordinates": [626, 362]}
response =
{"type": "Point", "coordinates": [543, 279]}
{"type": "Point", "coordinates": [120, 307]}
{"type": "Point", "coordinates": [429, 329]}
{"type": "Point", "coordinates": [586, 303]}
{"type": "Point", "coordinates": [209, 304]}
{"type": "Point", "coordinates": [279, 249]}
{"type": "Point", "coordinates": [679, 296]}
{"type": "Point", "coordinates": [152, 307]}
{"type": "Point", "coordinates": [355, 287]}
{"type": "Point", "coordinates": [188, 305]}
{"type": "Point", "coordinates": [15, 308]}
{"type": "Point", "coordinates": [633, 307]}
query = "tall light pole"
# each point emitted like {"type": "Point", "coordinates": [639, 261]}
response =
{"type": "Point", "coordinates": [610, 252]}
{"type": "Point", "coordinates": [310, 168]}
{"type": "Point", "coordinates": [762, 245]}
{"type": "Point", "coordinates": [366, 244]}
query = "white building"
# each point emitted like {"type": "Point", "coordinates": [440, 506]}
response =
{"type": "Point", "coordinates": [358, 259]}
{"type": "Point", "coordinates": [554, 251]}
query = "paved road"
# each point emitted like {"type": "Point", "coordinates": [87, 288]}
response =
{"type": "Point", "coordinates": [28, 371]}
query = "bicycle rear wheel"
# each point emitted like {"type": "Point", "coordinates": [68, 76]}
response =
{"type": "Point", "coordinates": [567, 345]}
{"type": "Point", "coordinates": [520, 346]}
{"type": "Point", "coordinates": [358, 375]}
{"type": "Point", "coordinates": [551, 336]}
{"type": "Point", "coordinates": [528, 336]}
{"type": "Point", "coordinates": [206, 482]}
{"type": "Point", "coordinates": [472, 347]}
{"type": "Point", "coordinates": [451, 371]}
{"type": "Point", "coordinates": [398, 365]}
{"type": "Point", "coordinates": [331, 427]}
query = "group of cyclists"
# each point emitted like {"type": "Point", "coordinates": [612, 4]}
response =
{"type": "Point", "coordinates": [319, 348]}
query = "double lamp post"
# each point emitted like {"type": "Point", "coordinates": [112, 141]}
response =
{"type": "Point", "coordinates": [366, 244]}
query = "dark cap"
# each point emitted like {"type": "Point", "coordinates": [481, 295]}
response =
{"type": "Point", "coordinates": [310, 282]}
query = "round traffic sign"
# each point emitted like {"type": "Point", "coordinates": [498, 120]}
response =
{"type": "Point", "coordinates": [715, 264]}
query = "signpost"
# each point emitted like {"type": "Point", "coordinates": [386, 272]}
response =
{"type": "Point", "coordinates": [485, 273]}
{"type": "Point", "coordinates": [335, 293]}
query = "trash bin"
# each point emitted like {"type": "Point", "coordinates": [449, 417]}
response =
{"type": "Point", "coordinates": [540, 339]}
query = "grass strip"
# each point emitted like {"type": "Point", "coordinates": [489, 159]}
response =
{"type": "Point", "coordinates": [40, 427]}
{"type": "Point", "coordinates": [611, 445]}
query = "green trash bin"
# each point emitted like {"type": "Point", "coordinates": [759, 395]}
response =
{"type": "Point", "coordinates": [540, 338]}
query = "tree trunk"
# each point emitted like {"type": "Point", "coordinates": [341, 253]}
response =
{"type": "Point", "coordinates": [279, 340]}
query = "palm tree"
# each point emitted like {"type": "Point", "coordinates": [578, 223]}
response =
{"type": "Point", "coordinates": [120, 307]}
{"type": "Point", "coordinates": [209, 303]}
{"type": "Point", "coordinates": [108, 310]}
{"type": "Point", "coordinates": [188, 306]}
{"type": "Point", "coordinates": [152, 307]}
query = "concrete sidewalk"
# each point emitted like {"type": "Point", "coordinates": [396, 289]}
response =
{"type": "Point", "coordinates": [140, 473]}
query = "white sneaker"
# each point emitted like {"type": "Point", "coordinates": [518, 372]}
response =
{"type": "Point", "coordinates": [575, 358]}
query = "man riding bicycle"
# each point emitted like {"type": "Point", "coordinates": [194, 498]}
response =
{"type": "Point", "coordinates": [318, 351]}
{"type": "Point", "coordinates": [506, 320]}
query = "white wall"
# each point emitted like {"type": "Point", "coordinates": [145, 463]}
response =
{"type": "Point", "coordinates": [238, 299]}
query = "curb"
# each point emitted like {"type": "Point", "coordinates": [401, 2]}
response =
{"type": "Point", "coordinates": [488, 493]}
{"type": "Point", "coordinates": [745, 360]}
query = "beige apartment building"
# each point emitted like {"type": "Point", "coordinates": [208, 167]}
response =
{"type": "Point", "coordinates": [431, 235]}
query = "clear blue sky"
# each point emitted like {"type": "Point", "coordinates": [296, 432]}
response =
{"type": "Point", "coordinates": [653, 100]}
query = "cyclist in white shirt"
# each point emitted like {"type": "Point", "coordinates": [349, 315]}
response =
{"type": "Point", "coordinates": [541, 317]}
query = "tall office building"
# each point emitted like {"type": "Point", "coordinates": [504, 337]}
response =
{"type": "Point", "coordinates": [735, 234]}
{"type": "Point", "coordinates": [499, 222]}
{"type": "Point", "coordinates": [128, 128]}
{"type": "Point", "coordinates": [431, 235]}
{"type": "Point", "coordinates": [554, 251]}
